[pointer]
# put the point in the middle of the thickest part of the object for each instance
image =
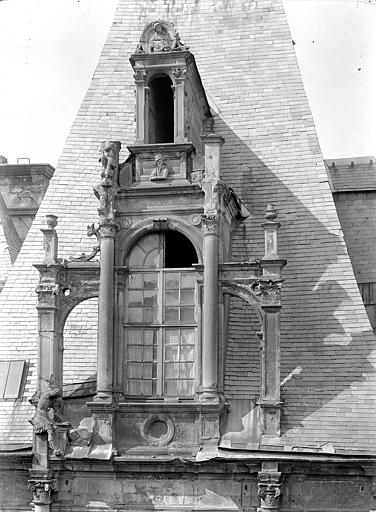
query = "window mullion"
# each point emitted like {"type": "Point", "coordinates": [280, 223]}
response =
{"type": "Point", "coordinates": [160, 335]}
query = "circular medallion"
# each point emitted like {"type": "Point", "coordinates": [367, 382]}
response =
{"type": "Point", "coordinates": [158, 430]}
{"type": "Point", "coordinates": [196, 219]}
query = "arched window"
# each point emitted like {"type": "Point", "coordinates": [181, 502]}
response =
{"type": "Point", "coordinates": [160, 317]}
{"type": "Point", "coordinates": [161, 110]}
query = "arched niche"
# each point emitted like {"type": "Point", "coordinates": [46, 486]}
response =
{"type": "Point", "coordinates": [80, 335]}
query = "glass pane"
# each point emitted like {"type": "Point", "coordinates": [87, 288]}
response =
{"type": "Point", "coordinates": [186, 370]}
{"type": "Point", "coordinates": [149, 242]}
{"type": "Point", "coordinates": [187, 314]}
{"type": "Point", "coordinates": [171, 387]}
{"type": "Point", "coordinates": [147, 388]}
{"type": "Point", "coordinates": [172, 280]}
{"type": "Point", "coordinates": [188, 336]}
{"type": "Point", "coordinates": [134, 353]}
{"type": "Point", "coordinates": [187, 280]}
{"type": "Point", "coordinates": [172, 353]}
{"type": "Point", "coordinates": [135, 298]}
{"type": "Point", "coordinates": [187, 297]}
{"type": "Point", "coordinates": [171, 370]}
{"type": "Point", "coordinates": [136, 281]}
{"type": "Point", "coordinates": [134, 370]}
{"type": "Point", "coordinates": [186, 353]}
{"type": "Point", "coordinates": [152, 259]}
{"type": "Point", "coordinates": [134, 387]}
{"type": "Point", "coordinates": [148, 337]}
{"type": "Point", "coordinates": [134, 336]}
{"type": "Point", "coordinates": [150, 281]}
{"type": "Point", "coordinates": [135, 315]}
{"type": "Point", "coordinates": [150, 297]}
{"type": "Point", "coordinates": [172, 297]}
{"type": "Point", "coordinates": [171, 315]}
{"type": "Point", "coordinates": [148, 353]}
{"type": "Point", "coordinates": [172, 336]}
{"type": "Point", "coordinates": [147, 371]}
{"type": "Point", "coordinates": [186, 387]}
{"type": "Point", "coordinates": [148, 315]}
{"type": "Point", "coordinates": [137, 257]}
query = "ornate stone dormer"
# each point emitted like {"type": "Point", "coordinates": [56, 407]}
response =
{"type": "Point", "coordinates": [172, 110]}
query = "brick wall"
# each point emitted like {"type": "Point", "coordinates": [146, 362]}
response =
{"type": "Point", "coordinates": [248, 66]}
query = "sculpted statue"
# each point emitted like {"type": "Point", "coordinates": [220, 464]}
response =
{"type": "Point", "coordinates": [160, 41]}
{"type": "Point", "coordinates": [109, 162]}
{"type": "Point", "coordinates": [44, 419]}
{"type": "Point", "coordinates": [160, 172]}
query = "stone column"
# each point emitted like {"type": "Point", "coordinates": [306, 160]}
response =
{"type": "Point", "coordinates": [270, 286]}
{"type": "Point", "coordinates": [106, 192]}
{"type": "Point", "coordinates": [179, 129]}
{"type": "Point", "coordinates": [211, 233]}
{"type": "Point", "coordinates": [210, 308]}
{"type": "Point", "coordinates": [50, 350]}
{"type": "Point", "coordinates": [139, 78]}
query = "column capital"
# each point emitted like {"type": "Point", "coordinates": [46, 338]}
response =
{"type": "Point", "coordinates": [179, 73]}
{"type": "Point", "coordinates": [43, 490]}
{"type": "Point", "coordinates": [139, 76]}
{"type": "Point", "coordinates": [210, 223]}
{"type": "Point", "coordinates": [108, 229]}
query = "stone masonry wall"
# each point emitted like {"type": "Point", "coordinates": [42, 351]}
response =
{"type": "Point", "coordinates": [247, 63]}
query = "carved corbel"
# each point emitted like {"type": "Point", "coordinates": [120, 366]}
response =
{"type": "Point", "coordinates": [269, 490]}
{"type": "Point", "coordinates": [43, 491]}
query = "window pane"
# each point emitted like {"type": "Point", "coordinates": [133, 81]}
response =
{"type": "Point", "coordinates": [186, 387]}
{"type": "Point", "coordinates": [187, 280]}
{"type": "Point", "coordinates": [147, 370]}
{"type": "Point", "coordinates": [187, 297]}
{"type": "Point", "coordinates": [171, 315]}
{"type": "Point", "coordinates": [171, 388]}
{"type": "Point", "coordinates": [172, 297]}
{"type": "Point", "coordinates": [134, 353]}
{"type": "Point", "coordinates": [172, 280]}
{"type": "Point", "coordinates": [148, 353]}
{"type": "Point", "coordinates": [186, 353]}
{"type": "Point", "coordinates": [150, 281]}
{"type": "Point", "coordinates": [135, 336]}
{"type": "Point", "coordinates": [136, 281]}
{"type": "Point", "coordinates": [187, 314]}
{"type": "Point", "coordinates": [186, 370]}
{"type": "Point", "coordinates": [134, 387]}
{"type": "Point", "coordinates": [148, 316]}
{"type": "Point", "coordinates": [147, 388]}
{"type": "Point", "coordinates": [135, 298]}
{"type": "Point", "coordinates": [148, 337]}
{"type": "Point", "coordinates": [172, 336]}
{"type": "Point", "coordinates": [150, 297]}
{"type": "Point", "coordinates": [188, 336]}
{"type": "Point", "coordinates": [135, 315]}
{"type": "Point", "coordinates": [134, 370]}
{"type": "Point", "coordinates": [171, 370]}
{"type": "Point", "coordinates": [172, 353]}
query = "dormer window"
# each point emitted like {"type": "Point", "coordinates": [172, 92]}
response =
{"type": "Point", "coordinates": [160, 110]}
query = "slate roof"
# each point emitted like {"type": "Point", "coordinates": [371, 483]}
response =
{"type": "Point", "coordinates": [271, 154]}
{"type": "Point", "coordinates": [350, 174]}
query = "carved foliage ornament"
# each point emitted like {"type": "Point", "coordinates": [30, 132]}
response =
{"type": "Point", "coordinates": [160, 36]}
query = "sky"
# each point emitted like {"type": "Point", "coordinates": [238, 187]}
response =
{"type": "Point", "coordinates": [49, 50]}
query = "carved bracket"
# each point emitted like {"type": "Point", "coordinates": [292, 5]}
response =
{"type": "Point", "coordinates": [91, 230]}
{"type": "Point", "coordinates": [43, 491]}
{"type": "Point", "coordinates": [269, 490]}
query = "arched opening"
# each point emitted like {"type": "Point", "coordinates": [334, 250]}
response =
{"type": "Point", "coordinates": [161, 110]}
{"type": "Point", "coordinates": [160, 321]}
{"type": "Point", "coordinates": [80, 349]}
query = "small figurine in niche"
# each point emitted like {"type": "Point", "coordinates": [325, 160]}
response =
{"type": "Point", "coordinates": [160, 41]}
{"type": "Point", "coordinates": [160, 172]}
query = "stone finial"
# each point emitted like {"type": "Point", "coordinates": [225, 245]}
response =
{"type": "Point", "coordinates": [50, 240]}
{"type": "Point", "coordinates": [3, 160]}
{"type": "Point", "coordinates": [160, 36]}
{"type": "Point", "coordinates": [271, 227]}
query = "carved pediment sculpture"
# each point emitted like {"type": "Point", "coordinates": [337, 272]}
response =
{"type": "Point", "coordinates": [160, 36]}
{"type": "Point", "coordinates": [160, 172]}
